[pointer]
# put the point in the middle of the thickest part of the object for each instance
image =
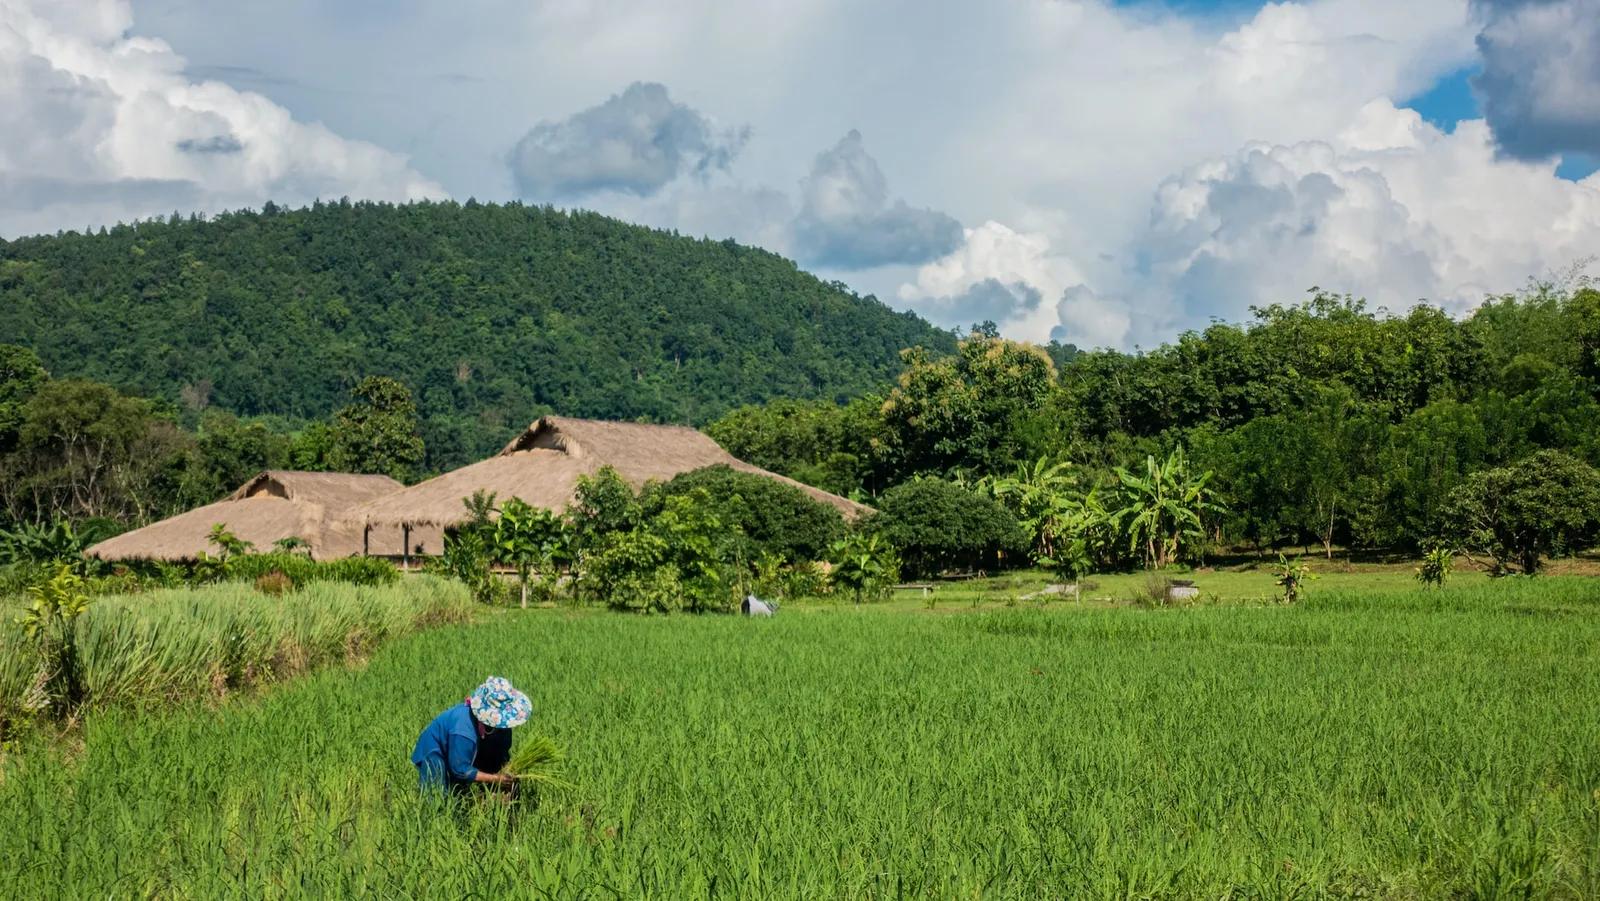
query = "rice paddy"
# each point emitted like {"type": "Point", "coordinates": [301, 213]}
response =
{"type": "Point", "coordinates": [1398, 744]}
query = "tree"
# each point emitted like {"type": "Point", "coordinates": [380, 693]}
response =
{"type": "Point", "coordinates": [774, 518]}
{"type": "Point", "coordinates": [21, 376]}
{"type": "Point", "coordinates": [1544, 505]}
{"type": "Point", "coordinates": [230, 452]}
{"type": "Point", "coordinates": [967, 411]}
{"type": "Point", "coordinates": [938, 525]}
{"type": "Point", "coordinates": [1163, 508]}
{"type": "Point", "coordinates": [378, 433]}
{"type": "Point", "coordinates": [530, 538]}
{"type": "Point", "coordinates": [85, 450]}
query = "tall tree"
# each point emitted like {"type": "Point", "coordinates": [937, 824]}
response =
{"type": "Point", "coordinates": [378, 433]}
{"type": "Point", "coordinates": [21, 375]}
{"type": "Point", "coordinates": [965, 412]}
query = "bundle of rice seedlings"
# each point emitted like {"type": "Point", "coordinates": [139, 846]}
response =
{"type": "Point", "coordinates": [536, 762]}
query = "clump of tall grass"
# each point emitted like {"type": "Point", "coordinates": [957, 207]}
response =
{"type": "Point", "coordinates": [24, 678]}
{"type": "Point", "coordinates": [176, 644]}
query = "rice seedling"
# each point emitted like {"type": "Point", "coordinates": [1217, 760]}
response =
{"type": "Point", "coordinates": [1420, 743]}
{"type": "Point", "coordinates": [536, 761]}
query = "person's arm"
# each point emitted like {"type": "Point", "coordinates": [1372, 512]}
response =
{"type": "Point", "coordinates": [462, 748]}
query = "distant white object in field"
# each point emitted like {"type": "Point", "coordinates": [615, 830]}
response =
{"type": "Point", "coordinates": [754, 606]}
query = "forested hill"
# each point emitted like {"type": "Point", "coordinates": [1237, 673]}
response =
{"type": "Point", "coordinates": [491, 314]}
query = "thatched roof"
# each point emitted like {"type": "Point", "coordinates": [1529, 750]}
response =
{"type": "Point", "coordinates": [274, 505]}
{"type": "Point", "coordinates": [543, 464]}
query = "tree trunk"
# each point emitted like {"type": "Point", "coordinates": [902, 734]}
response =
{"type": "Point", "coordinates": [524, 591]}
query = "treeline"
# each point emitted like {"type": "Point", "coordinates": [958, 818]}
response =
{"type": "Point", "coordinates": [1323, 424]}
{"type": "Point", "coordinates": [492, 315]}
{"type": "Point", "coordinates": [82, 451]}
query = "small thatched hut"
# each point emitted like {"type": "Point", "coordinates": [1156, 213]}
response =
{"type": "Point", "coordinates": [543, 465]}
{"type": "Point", "coordinates": [272, 506]}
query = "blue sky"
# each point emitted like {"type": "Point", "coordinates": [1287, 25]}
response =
{"type": "Point", "coordinates": [1106, 173]}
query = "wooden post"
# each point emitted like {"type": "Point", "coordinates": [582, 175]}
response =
{"type": "Point", "coordinates": [405, 548]}
{"type": "Point", "coordinates": [366, 540]}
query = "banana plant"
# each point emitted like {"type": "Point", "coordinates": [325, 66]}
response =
{"type": "Point", "coordinates": [1045, 498]}
{"type": "Point", "coordinates": [864, 564]}
{"type": "Point", "coordinates": [1163, 508]}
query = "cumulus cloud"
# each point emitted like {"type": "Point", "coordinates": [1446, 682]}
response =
{"type": "Point", "coordinates": [1088, 320]}
{"type": "Point", "coordinates": [989, 300]}
{"type": "Point", "coordinates": [1392, 209]}
{"type": "Point", "coordinates": [635, 143]}
{"type": "Point", "coordinates": [847, 220]}
{"type": "Point", "coordinates": [998, 274]}
{"type": "Point", "coordinates": [97, 126]}
{"type": "Point", "coordinates": [1540, 82]}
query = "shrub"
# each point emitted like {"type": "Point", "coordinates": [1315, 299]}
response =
{"type": "Point", "coordinates": [805, 579]}
{"type": "Point", "coordinates": [681, 556]}
{"type": "Point", "coordinates": [466, 559]}
{"type": "Point", "coordinates": [369, 571]}
{"type": "Point", "coordinates": [1436, 566]}
{"type": "Point", "coordinates": [937, 525]}
{"type": "Point", "coordinates": [1157, 589]}
{"type": "Point", "coordinates": [1291, 576]}
{"type": "Point", "coordinates": [1547, 504]}
{"type": "Point", "coordinates": [864, 565]}
{"type": "Point", "coordinates": [775, 518]}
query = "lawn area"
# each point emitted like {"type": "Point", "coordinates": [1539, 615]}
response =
{"type": "Point", "coordinates": [1367, 742]}
{"type": "Point", "coordinates": [1249, 583]}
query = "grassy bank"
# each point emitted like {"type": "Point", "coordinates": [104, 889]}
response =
{"type": "Point", "coordinates": [175, 645]}
{"type": "Point", "coordinates": [1407, 744]}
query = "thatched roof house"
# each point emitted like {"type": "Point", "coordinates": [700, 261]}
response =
{"type": "Point", "coordinates": [272, 506]}
{"type": "Point", "coordinates": [543, 465]}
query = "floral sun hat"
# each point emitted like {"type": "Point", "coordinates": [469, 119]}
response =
{"type": "Point", "coordinates": [497, 705]}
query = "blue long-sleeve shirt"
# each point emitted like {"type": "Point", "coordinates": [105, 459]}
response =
{"type": "Point", "coordinates": [451, 749]}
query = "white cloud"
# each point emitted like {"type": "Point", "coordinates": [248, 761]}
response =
{"type": "Point", "coordinates": [635, 142]}
{"type": "Point", "coordinates": [1541, 75]}
{"type": "Point", "coordinates": [1088, 320]}
{"type": "Point", "coordinates": [848, 221]}
{"type": "Point", "coordinates": [1392, 209]}
{"type": "Point", "coordinates": [1139, 168]}
{"type": "Point", "coordinates": [97, 126]}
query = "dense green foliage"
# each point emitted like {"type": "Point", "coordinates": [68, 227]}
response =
{"type": "Point", "coordinates": [1414, 745]}
{"type": "Point", "coordinates": [699, 542]}
{"type": "Point", "coordinates": [937, 526]}
{"type": "Point", "coordinates": [490, 314]}
{"type": "Point", "coordinates": [771, 517]}
{"type": "Point", "coordinates": [81, 451]}
{"type": "Point", "coordinates": [1320, 424]}
{"type": "Point", "coordinates": [1546, 504]}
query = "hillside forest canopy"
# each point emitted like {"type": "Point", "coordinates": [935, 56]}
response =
{"type": "Point", "coordinates": [491, 314]}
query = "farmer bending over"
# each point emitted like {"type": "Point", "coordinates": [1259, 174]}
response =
{"type": "Point", "coordinates": [471, 741]}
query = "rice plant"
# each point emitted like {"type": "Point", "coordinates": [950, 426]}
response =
{"type": "Point", "coordinates": [1413, 744]}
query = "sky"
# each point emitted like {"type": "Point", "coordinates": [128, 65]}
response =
{"type": "Point", "coordinates": [1095, 172]}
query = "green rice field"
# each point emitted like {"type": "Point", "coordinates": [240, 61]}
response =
{"type": "Point", "coordinates": [1366, 743]}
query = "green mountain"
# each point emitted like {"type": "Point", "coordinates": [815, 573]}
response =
{"type": "Point", "coordinates": [491, 314]}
